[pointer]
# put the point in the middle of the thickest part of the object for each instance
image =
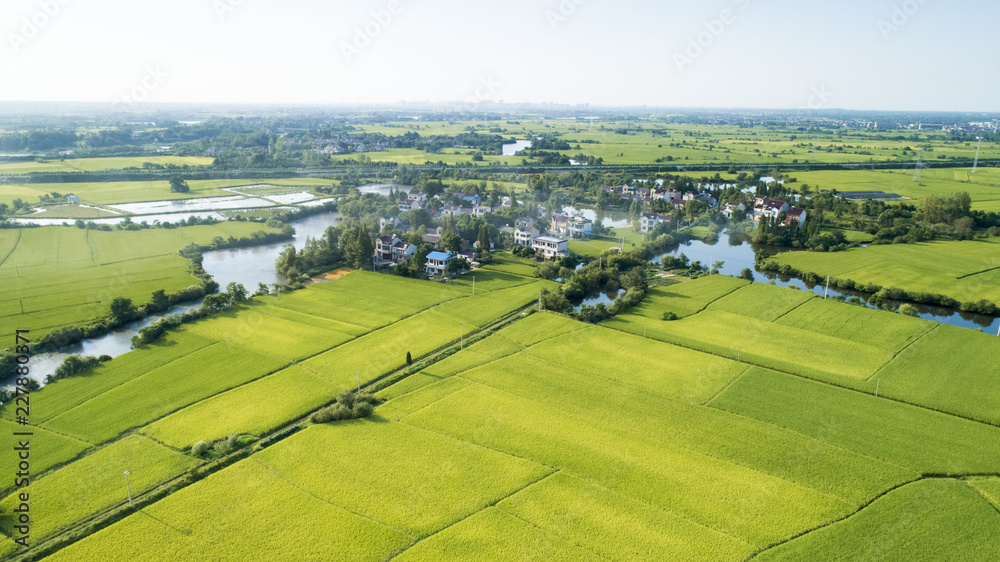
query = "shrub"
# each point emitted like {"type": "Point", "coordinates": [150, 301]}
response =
{"type": "Point", "coordinates": [348, 406]}
{"type": "Point", "coordinates": [669, 316]}
{"type": "Point", "coordinates": [200, 448]}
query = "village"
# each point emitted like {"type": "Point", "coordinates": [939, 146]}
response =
{"type": "Point", "coordinates": [548, 236]}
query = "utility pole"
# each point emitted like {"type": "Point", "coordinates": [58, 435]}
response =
{"type": "Point", "coordinates": [359, 382]}
{"type": "Point", "coordinates": [975, 165]}
{"type": "Point", "coordinates": [877, 385]}
{"type": "Point", "coordinates": [129, 487]}
{"type": "Point", "coordinates": [473, 285]}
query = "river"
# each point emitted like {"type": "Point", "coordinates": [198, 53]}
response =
{"type": "Point", "coordinates": [254, 265]}
{"type": "Point", "coordinates": [247, 266]}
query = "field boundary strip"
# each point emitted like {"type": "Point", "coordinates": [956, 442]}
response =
{"type": "Point", "coordinates": [484, 508]}
{"type": "Point", "coordinates": [705, 404]}
{"type": "Point", "coordinates": [12, 249]}
{"type": "Point", "coordinates": [90, 244]}
{"type": "Point", "coordinates": [277, 474]}
{"type": "Point", "coordinates": [553, 532]}
{"type": "Point", "coordinates": [957, 478]}
{"type": "Point", "coordinates": [901, 351]}
{"type": "Point", "coordinates": [983, 497]}
{"type": "Point", "coordinates": [793, 309]}
{"type": "Point", "coordinates": [977, 273]}
{"type": "Point", "coordinates": [713, 301]}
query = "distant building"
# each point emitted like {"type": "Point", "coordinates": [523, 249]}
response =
{"type": "Point", "coordinates": [437, 262]}
{"type": "Point", "coordinates": [73, 199]}
{"type": "Point", "coordinates": [730, 208]}
{"type": "Point", "coordinates": [523, 235]}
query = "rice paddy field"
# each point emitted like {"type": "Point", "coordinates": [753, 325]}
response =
{"type": "Point", "coordinates": [100, 164]}
{"type": "Point", "coordinates": [249, 370]}
{"type": "Point", "coordinates": [59, 276]}
{"type": "Point", "coordinates": [967, 271]}
{"type": "Point", "coordinates": [111, 193]}
{"type": "Point", "coordinates": [983, 187]}
{"type": "Point", "coordinates": [636, 439]}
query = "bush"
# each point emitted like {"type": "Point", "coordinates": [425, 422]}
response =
{"type": "Point", "coordinates": [72, 365]}
{"type": "Point", "coordinates": [669, 316]}
{"type": "Point", "coordinates": [200, 448]}
{"type": "Point", "coordinates": [349, 405]}
{"type": "Point", "coordinates": [226, 445]}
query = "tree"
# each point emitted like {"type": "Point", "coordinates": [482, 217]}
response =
{"type": "Point", "coordinates": [237, 292]}
{"type": "Point", "coordinates": [409, 359]}
{"type": "Point", "coordinates": [451, 242]}
{"type": "Point", "coordinates": [909, 310]}
{"type": "Point", "coordinates": [483, 240]}
{"type": "Point", "coordinates": [178, 185]}
{"type": "Point", "coordinates": [746, 274]}
{"type": "Point", "coordinates": [160, 301]}
{"type": "Point", "coordinates": [122, 310]}
{"type": "Point", "coordinates": [456, 266]}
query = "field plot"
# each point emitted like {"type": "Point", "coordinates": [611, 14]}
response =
{"type": "Point", "coordinates": [402, 476]}
{"type": "Point", "coordinates": [214, 518]}
{"type": "Point", "coordinates": [260, 406]}
{"type": "Point", "coordinates": [70, 392]}
{"type": "Point", "coordinates": [950, 369]}
{"type": "Point", "coordinates": [507, 263]}
{"type": "Point", "coordinates": [80, 272]}
{"type": "Point", "coordinates": [763, 302]}
{"type": "Point", "coordinates": [891, 332]}
{"type": "Point", "coordinates": [95, 482]}
{"type": "Point", "coordinates": [164, 390]}
{"type": "Point", "coordinates": [47, 449]}
{"type": "Point", "coordinates": [99, 164]}
{"type": "Point", "coordinates": [747, 505]}
{"type": "Point", "coordinates": [763, 343]}
{"type": "Point", "coordinates": [493, 534]}
{"type": "Point", "coordinates": [967, 271]}
{"type": "Point", "coordinates": [685, 299]}
{"type": "Point", "coordinates": [599, 244]}
{"type": "Point", "coordinates": [926, 520]}
{"type": "Point", "coordinates": [925, 441]}
{"type": "Point", "coordinates": [983, 187]}
{"type": "Point", "coordinates": [617, 526]}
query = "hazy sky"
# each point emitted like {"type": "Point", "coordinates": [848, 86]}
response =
{"type": "Point", "coordinates": [855, 54]}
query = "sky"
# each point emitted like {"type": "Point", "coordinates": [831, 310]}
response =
{"type": "Point", "coordinates": [908, 55]}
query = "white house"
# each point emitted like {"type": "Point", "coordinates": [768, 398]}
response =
{"type": "Point", "coordinates": [770, 208]}
{"type": "Point", "coordinates": [390, 249]}
{"type": "Point", "coordinates": [523, 235]}
{"type": "Point", "coordinates": [437, 262]}
{"type": "Point", "coordinates": [72, 199]}
{"type": "Point", "coordinates": [550, 247]}
{"type": "Point", "coordinates": [580, 228]}
{"type": "Point", "coordinates": [649, 221]}
{"type": "Point", "coordinates": [481, 210]}
{"type": "Point", "coordinates": [730, 208]}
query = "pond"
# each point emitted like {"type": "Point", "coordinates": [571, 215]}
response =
{"type": "Point", "coordinates": [606, 298]}
{"type": "Point", "coordinates": [515, 147]}
{"type": "Point", "coordinates": [610, 219]}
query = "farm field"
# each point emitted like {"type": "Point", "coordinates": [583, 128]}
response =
{"type": "Point", "coordinates": [240, 371]}
{"type": "Point", "coordinates": [967, 271]}
{"type": "Point", "coordinates": [648, 141]}
{"type": "Point", "coordinates": [74, 281]}
{"type": "Point", "coordinates": [99, 164]}
{"type": "Point", "coordinates": [599, 244]}
{"type": "Point", "coordinates": [927, 520]}
{"type": "Point", "coordinates": [111, 193]}
{"type": "Point", "coordinates": [983, 187]}
{"type": "Point", "coordinates": [553, 438]}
